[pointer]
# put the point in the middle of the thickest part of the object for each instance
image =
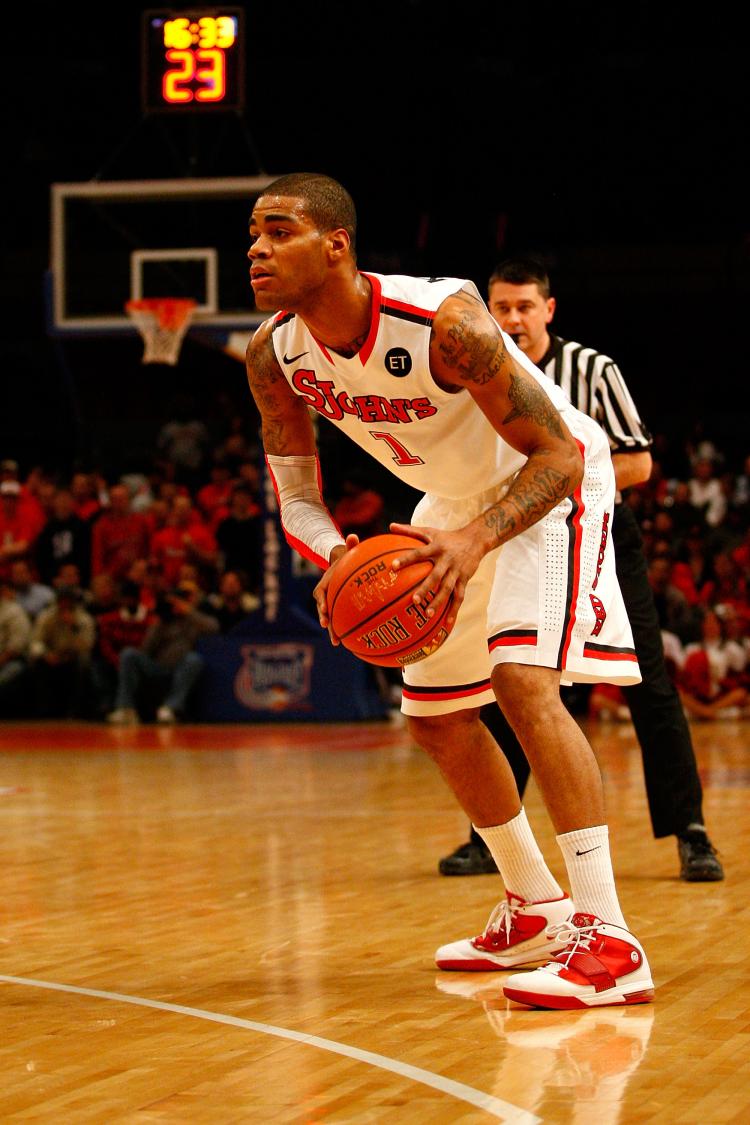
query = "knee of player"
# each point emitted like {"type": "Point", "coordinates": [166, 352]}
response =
{"type": "Point", "coordinates": [440, 735]}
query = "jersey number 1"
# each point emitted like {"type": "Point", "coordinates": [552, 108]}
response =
{"type": "Point", "coordinates": [401, 454]}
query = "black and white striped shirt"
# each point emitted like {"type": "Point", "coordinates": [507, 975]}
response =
{"type": "Point", "coordinates": [594, 384]}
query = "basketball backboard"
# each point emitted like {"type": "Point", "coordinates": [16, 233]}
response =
{"type": "Point", "coordinates": [120, 240]}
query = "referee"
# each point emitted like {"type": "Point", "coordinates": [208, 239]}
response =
{"type": "Point", "coordinates": [520, 301]}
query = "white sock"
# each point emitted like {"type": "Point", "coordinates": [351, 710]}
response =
{"type": "Point", "coordinates": [520, 862]}
{"type": "Point", "coordinates": [592, 881]}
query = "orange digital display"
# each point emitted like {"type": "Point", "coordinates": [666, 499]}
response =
{"type": "Point", "coordinates": [193, 59]}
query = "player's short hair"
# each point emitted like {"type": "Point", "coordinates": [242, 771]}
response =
{"type": "Point", "coordinates": [327, 202]}
{"type": "Point", "coordinates": [525, 270]}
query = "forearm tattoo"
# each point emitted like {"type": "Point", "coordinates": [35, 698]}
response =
{"type": "Point", "coordinates": [529, 401]}
{"type": "Point", "coordinates": [534, 492]}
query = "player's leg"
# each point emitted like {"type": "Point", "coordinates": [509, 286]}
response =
{"type": "Point", "coordinates": [441, 698]}
{"type": "Point", "coordinates": [474, 857]}
{"type": "Point", "coordinates": [556, 610]}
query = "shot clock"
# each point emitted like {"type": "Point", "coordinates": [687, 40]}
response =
{"type": "Point", "coordinates": [193, 59]}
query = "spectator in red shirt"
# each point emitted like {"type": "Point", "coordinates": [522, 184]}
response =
{"type": "Point", "coordinates": [126, 624]}
{"type": "Point", "coordinates": [119, 536]}
{"type": "Point", "coordinates": [86, 503]}
{"type": "Point", "coordinates": [214, 498]}
{"type": "Point", "coordinates": [18, 530]}
{"type": "Point", "coordinates": [184, 539]}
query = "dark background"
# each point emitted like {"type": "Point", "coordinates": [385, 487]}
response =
{"type": "Point", "coordinates": [612, 139]}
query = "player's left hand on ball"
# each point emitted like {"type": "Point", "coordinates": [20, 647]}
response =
{"type": "Point", "coordinates": [319, 593]}
{"type": "Point", "coordinates": [455, 557]}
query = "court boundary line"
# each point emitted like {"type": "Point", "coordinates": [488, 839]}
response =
{"type": "Point", "coordinates": [504, 1111]}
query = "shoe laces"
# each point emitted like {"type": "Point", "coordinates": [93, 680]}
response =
{"type": "Point", "coordinates": [502, 918]}
{"type": "Point", "coordinates": [575, 939]}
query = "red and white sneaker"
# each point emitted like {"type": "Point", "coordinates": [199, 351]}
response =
{"type": "Point", "coordinates": [514, 935]}
{"type": "Point", "coordinates": [601, 964]}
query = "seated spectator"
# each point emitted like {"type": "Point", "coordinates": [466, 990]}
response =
{"type": "Point", "coordinates": [213, 499]}
{"type": "Point", "coordinates": [15, 634]}
{"type": "Point", "coordinates": [103, 596]}
{"type": "Point", "coordinates": [710, 681]}
{"type": "Point", "coordinates": [86, 500]}
{"type": "Point", "coordinates": [693, 570]}
{"type": "Point", "coordinates": [729, 587]}
{"type": "Point", "coordinates": [62, 641]}
{"type": "Point", "coordinates": [359, 510]}
{"type": "Point", "coordinates": [705, 492]}
{"type": "Point", "coordinates": [119, 536]}
{"type": "Point", "coordinates": [18, 529]}
{"type": "Point", "coordinates": [31, 595]}
{"type": "Point", "coordinates": [239, 536]}
{"type": "Point", "coordinates": [232, 603]}
{"type": "Point", "coordinates": [681, 509]}
{"type": "Point", "coordinates": [157, 516]}
{"type": "Point", "coordinates": [146, 573]}
{"type": "Point", "coordinates": [185, 539]}
{"type": "Point", "coordinates": [121, 627]}
{"type": "Point", "coordinates": [64, 538]}
{"type": "Point", "coordinates": [139, 489]}
{"type": "Point", "coordinates": [30, 506]}
{"type": "Point", "coordinates": [68, 575]}
{"type": "Point", "coordinates": [166, 661]}
{"type": "Point", "coordinates": [676, 615]}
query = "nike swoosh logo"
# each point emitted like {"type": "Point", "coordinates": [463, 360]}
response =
{"type": "Point", "coordinates": [294, 358]}
{"type": "Point", "coordinates": [587, 850]}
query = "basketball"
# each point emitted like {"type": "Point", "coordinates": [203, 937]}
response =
{"type": "Point", "coordinates": [371, 609]}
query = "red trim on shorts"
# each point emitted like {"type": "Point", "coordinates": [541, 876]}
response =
{"type": "Point", "coordinates": [609, 652]}
{"type": "Point", "coordinates": [459, 691]}
{"type": "Point", "coordinates": [509, 638]}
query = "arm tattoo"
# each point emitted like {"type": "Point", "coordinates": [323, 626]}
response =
{"type": "Point", "coordinates": [269, 389]}
{"type": "Point", "coordinates": [476, 353]}
{"type": "Point", "coordinates": [529, 401]}
{"type": "Point", "coordinates": [528, 499]}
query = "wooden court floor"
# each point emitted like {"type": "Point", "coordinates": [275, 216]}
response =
{"type": "Point", "coordinates": [224, 924]}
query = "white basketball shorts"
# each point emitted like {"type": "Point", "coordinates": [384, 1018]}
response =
{"type": "Point", "coordinates": [549, 597]}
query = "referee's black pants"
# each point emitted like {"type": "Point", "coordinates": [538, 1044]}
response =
{"type": "Point", "coordinates": [673, 787]}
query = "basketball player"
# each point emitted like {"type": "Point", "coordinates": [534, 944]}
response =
{"type": "Point", "coordinates": [519, 489]}
{"type": "Point", "coordinates": [520, 301]}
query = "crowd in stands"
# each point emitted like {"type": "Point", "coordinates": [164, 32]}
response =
{"type": "Point", "coordinates": [696, 532]}
{"type": "Point", "coordinates": [106, 585]}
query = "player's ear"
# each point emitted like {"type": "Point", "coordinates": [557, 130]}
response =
{"type": "Point", "coordinates": [551, 306]}
{"type": "Point", "coordinates": [339, 244]}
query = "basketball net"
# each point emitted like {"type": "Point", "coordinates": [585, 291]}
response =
{"type": "Point", "coordinates": [162, 322]}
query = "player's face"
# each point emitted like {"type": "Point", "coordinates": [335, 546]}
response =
{"type": "Point", "coordinates": [287, 254]}
{"type": "Point", "coordinates": [524, 314]}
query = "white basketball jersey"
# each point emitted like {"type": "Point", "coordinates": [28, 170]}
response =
{"type": "Point", "coordinates": [385, 399]}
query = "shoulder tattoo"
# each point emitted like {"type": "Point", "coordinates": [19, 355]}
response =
{"type": "Point", "coordinates": [471, 346]}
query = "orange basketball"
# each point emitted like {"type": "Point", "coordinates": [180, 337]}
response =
{"type": "Point", "coordinates": [371, 609]}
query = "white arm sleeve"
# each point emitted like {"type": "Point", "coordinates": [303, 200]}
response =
{"type": "Point", "coordinates": [308, 525]}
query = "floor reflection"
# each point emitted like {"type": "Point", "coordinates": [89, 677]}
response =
{"type": "Point", "coordinates": [568, 1067]}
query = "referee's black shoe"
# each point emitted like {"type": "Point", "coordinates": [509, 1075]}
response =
{"type": "Point", "coordinates": [468, 859]}
{"type": "Point", "coordinates": [699, 862]}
